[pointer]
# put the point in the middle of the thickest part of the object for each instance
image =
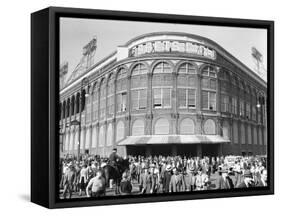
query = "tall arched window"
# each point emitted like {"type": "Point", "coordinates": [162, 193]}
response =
{"type": "Point", "coordinates": [187, 126]}
{"type": "Point", "coordinates": [102, 99]}
{"type": "Point", "coordinates": [210, 127]}
{"type": "Point", "coordinates": [139, 83]}
{"type": "Point", "coordinates": [186, 86]}
{"type": "Point", "coordinates": [82, 138]}
{"type": "Point", "coordinates": [162, 84]}
{"type": "Point", "coordinates": [121, 90]}
{"type": "Point", "coordinates": [120, 131]}
{"type": "Point", "coordinates": [110, 95]}
{"type": "Point", "coordinates": [109, 135]}
{"type": "Point", "coordinates": [71, 140]}
{"type": "Point", "coordinates": [161, 126]}
{"type": "Point", "coordinates": [138, 127]}
{"type": "Point", "coordinates": [209, 88]}
{"type": "Point", "coordinates": [102, 136]}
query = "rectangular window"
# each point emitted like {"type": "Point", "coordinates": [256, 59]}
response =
{"type": "Point", "coordinates": [254, 113]}
{"type": "Point", "coordinates": [157, 98]}
{"type": "Point", "coordinates": [234, 105]}
{"type": "Point", "coordinates": [212, 101]}
{"type": "Point", "coordinates": [166, 95]}
{"type": "Point", "coordinates": [122, 102]}
{"type": "Point", "coordinates": [248, 111]}
{"type": "Point", "coordinates": [241, 108]}
{"type": "Point", "coordinates": [138, 98]}
{"type": "Point", "coordinates": [213, 84]}
{"type": "Point", "coordinates": [205, 100]}
{"type": "Point", "coordinates": [191, 98]}
{"type": "Point", "coordinates": [142, 99]}
{"type": "Point", "coordinates": [182, 98]}
{"type": "Point", "coordinates": [162, 98]}
{"type": "Point", "coordinates": [224, 103]}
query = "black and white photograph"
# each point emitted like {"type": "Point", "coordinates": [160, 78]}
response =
{"type": "Point", "coordinates": [149, 108]}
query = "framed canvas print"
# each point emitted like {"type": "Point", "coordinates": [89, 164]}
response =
{"type": "Point", "coordinates": [138, 107]}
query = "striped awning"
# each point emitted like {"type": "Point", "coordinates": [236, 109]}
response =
{"type": "Point", "coordinates": [173, 139]}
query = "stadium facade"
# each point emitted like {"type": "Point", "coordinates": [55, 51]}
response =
{"type": "Point", "coordinates": [165, 93]}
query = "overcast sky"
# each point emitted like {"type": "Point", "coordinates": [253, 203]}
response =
{"type": "Point", "coordinates": [76, 33]}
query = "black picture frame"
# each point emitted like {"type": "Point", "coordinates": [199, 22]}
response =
{"type": "Point", "coordinates": [45, 104]}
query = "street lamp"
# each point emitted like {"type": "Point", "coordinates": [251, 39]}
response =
{"type": "Point", "coordinates": [84, 82]}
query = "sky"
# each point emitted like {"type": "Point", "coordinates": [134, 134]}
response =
{"type": "Point", "coordinates": [75, 33]}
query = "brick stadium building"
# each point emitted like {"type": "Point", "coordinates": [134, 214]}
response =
{"type": "Point", "coordinates": [165, 93]}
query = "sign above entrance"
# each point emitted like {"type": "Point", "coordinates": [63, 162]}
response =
{"type": "Point", "coordinates": [172, 46]}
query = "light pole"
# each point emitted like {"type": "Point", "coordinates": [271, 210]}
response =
{"type": "Point", "coordinates": [84, 82]}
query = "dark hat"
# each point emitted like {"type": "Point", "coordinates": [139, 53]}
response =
{"type": "Point", "coordinates": [248, 174]}
{"type": "Point", "coordinates": [115, 149]}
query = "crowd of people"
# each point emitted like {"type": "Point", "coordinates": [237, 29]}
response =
{"type": "Point", "coordinates": [162, 174]}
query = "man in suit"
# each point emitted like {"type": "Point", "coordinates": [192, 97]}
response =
{"type": "Point", "coordinates": [225, 181]}
{"type": "Point", "coordinates": [146, 182]}
{"type": "Point", "coordinates": [69, 180]}
{"type": "Point", "coordinates": [167, 178]}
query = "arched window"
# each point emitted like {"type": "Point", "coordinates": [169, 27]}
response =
{"type": "Point", "coordinates": [101, 136]}
{"type": "Point", "coordinates": [162, 85]}
{"type": "Point", "coordinates": [210, 127]}
{"type": "Point", "coordinates": [162, 67]}
{"type": "Point", "coordinates": [121, 90]}
{"type": "Point", "coordinates": [139, 82]}
{"type": "Point", "coordinates": [138, 127]}
{"type": "Point", "coordinates": [187, 126]}
{"type": "Point", "coordinates": [187, 68]}
{"type": "Point", "coordinates": [209, 88]}
{"type": "Point", "coordinates": [161, 126]}
{"type": "Point", "coordinates": [94, 137]}
{"type": "Point", "coordinates": [109, 135]}
{"type": "Point", "coordinates": [71, 140]}
{"type": "Point", "coordinates": [120, 131]}
{"type": "Point", "coordinates": [110, 95]}
{"type": "Point", "coordinates": [102, 99]}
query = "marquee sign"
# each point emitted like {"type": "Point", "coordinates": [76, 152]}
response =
{"type": "Point", "coordinates": [172, 46]}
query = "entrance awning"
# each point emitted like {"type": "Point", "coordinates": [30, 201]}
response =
{"type": "Point", "coordinates": [173, 139]}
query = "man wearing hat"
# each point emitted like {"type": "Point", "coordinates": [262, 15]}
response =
{"type": "Point", "coordinates": [69, 180]}
{"type": "Point", "coordinates": [167, 178]}
{"type": "Point", "coordinates": [114, 157]}
{"type": "Point", "coordinates": [248, 180]}
{"type": "Point", "coordinates": [145, 181]}
{"type": "Point", "coordinates": [224, 181]}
